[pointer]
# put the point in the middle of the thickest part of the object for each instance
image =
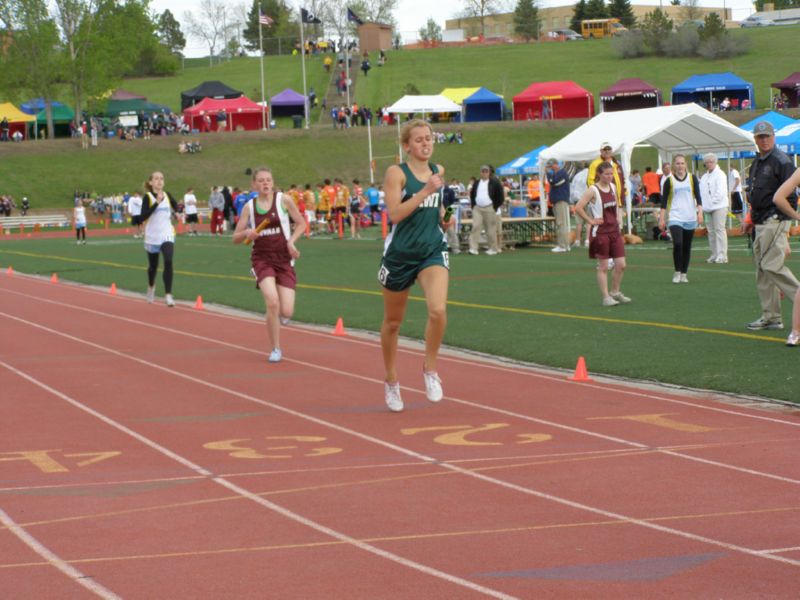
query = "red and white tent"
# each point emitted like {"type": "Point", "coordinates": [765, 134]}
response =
{"type": "Point", "coordinates": [553, 100]}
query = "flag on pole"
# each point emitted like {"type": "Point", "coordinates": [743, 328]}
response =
{"type": "Point", "coordinates": [353, 17]}
{"type": "Point", "coordinates": [265, 20]}
{"type": "Point", "coordinates": [308, 17]}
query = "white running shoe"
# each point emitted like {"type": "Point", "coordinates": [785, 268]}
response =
{"type": "Point", "coordinates": [620, 297]}
{"type": "Point", "coordinates": [151, 294]}
{"type": "Point", "coordinates": [712, 260]}
{"type": "Point", "coordinates": [559, 249]}
{"type": "Point", "coordinates": [473, 252]}
{"type": "Point", "coordinates": [169, 300]}
{"type": "Point", "coordinates": [609, 301]}
{"type": "Point", "coordinates": [391, 393]}
{"type": "Point", "coordinates": [284, 320]}
{"type": "Point", "coordinates": [676, 278]}
{"type": "Point", "coordinates": [275, 356]}
{"type": "Point", "coordinates": [491, 252]}
{"type": "Point", "coordinates": [684, 279]}
{"type": "Point", "coordinates": [722, 260]}
{"type": "Point", "coordinates": [433, 386]}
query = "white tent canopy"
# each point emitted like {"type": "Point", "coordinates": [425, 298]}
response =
{"type": "Point", "coordinates": [424, 104]}
{"type": "Point", "coordinates": [669, 129]}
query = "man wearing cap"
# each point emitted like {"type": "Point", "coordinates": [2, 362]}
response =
{"type": "Point", "coordinates": [607, 155]}
{"type": "Point", "coordinates": [485, 196]}
{"type": "Point", "coordinates": [769, 170]}
{"type": "Point", "coordinates": [559, 196]}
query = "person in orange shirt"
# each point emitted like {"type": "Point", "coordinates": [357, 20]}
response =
{"type": "Point", "coordinates": [652, 186]}
{"type": "Point", "coordinates": [330, 191]}
{"type": "Point", "coordinates": [534, 191]}
{"type": "Point", "coordinates": [342, 198]}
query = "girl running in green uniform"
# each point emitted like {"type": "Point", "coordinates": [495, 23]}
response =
{"type": "Point", "coordinates": [415, 249]}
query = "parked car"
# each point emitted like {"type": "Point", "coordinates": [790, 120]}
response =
{"type": "Point", "coordinates": [566, 34]}
{"type": "Point", "coordinates": [756, 21]}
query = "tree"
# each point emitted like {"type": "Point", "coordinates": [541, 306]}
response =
{"type": "Point", "coordinates": [481, 9]}
{"type": "Point", "coordinates": [210, 25]}
{"type": "Point", "coordinates": [169, 32]}
{"type": "Point", "coordinates": [656, 27]}
{"type": "Point", "coordinates": [713, 27]}
{"type": "Point", "coordinates": [596, 9]}
{"type": "Point", "coordinates": [432, 32]}
{"type": "Point", "coordinates": [621, 9]}
{"type": "Point", "coordinates": [285, 24]}
{"type": "Point", "coordinates": [690, 11]}
{"type": "Point", "coordinates": [578, 15]}
{"type": "Point", "coordinates": [526, 20]}
{"type": "Point", "coordinates": [375, 11]}
{"type": "Point", "coordinates": [33, 59]}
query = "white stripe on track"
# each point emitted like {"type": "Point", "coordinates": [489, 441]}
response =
{"type": "Point", "coordinates": [240, 490]}
{"type": "Point", "coordinates": [52, 559]}
{"type": "Point", "coordinates": [529, 491]}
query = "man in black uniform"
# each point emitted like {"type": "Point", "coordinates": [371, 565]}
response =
{"type": "Point", "coordinates": [769, 170]}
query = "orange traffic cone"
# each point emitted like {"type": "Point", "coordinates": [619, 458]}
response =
{"type": "Point", "coordinates": [9, 271]}
{"type": "Point", "coordinates": [113, 290]}
{"type": "Point", "coordinates": [580, 371]}
{"type": "Point", "coordinates": [339, 329]}
{"type": "Point", "coordinates": [199, 303]}
{"type": "Point", "coordinates": [54, 278]}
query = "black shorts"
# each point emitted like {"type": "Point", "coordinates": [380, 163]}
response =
{"type": "Point", "coordinates": [136, 219]}
{"type": "Point", "coordinates": [191, 218]}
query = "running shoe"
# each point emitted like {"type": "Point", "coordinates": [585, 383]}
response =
{"type": "Point", "coordinates": [609, 301]}
{"type": "Point", "coordinates": [712, 259]}
{"type": "Point", "coordinates": [763, 323]}
{"type": "Point", "coordinates": [169, 300]}
{"type": "Point", "coordinates": [433, 385]}
{"type": "Point", "coordinates": [151, 294]}
{"type": "Point", "coordinates": [676, 278]}
{"type": "Point", "coordinates": [793, 339]}
{"type": "Point", "coordinates": [620, 297]}
{"type": "Point", "coordinates": [392, 396]}
{"type": "Point", "coordinates": [684, 279]}
{"type": "Point", "coordinates": [284, 320]}
{"type": "Point", "coordinates": [275, 356]}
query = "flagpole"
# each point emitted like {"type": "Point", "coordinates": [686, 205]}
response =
{"type": "Point", "coordinates": [264, 123]}
{"type": "Point", "coordinates": [303, 63]}
{"type": "Point", "coordinates": [347, 73]}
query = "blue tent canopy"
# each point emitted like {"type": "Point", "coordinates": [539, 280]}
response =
{"type": "Point", "coordinates": [36, 106]}
{"type": "Point", "coordinates": [787, 134]}
{"type": "Point", "coordinates": [787, 138]}
{"type": "Point", "coordinates": [710, 89]}
{"type": "Point", "coordinates": [524, 165]}
{"type": "Point", "coordinates": [484, 105]}
{"type": "Point", "coordinates": [777, 120]}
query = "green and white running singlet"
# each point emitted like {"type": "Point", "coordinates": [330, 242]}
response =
{"type": "Point", "coordinates": [416, 242]}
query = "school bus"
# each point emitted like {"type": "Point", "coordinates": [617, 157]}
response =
{"type": "Point", "coordinates": [600, 28]}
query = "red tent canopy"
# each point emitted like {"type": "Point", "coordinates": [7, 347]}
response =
{"type": "Point", "coordinates": [790, 87]}
{"type": "Point", "coordinates": [241, 112]}
{"type": "Point", "coordinates": [553, 100]}
{"type": "Point", "coordinates": [628, 94]}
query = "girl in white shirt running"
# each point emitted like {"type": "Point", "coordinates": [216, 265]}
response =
{"type": "Point", "coordinates": [159, 234]}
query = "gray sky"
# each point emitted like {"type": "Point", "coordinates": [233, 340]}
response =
{"type": "Point", "coordinates": [413, 14]}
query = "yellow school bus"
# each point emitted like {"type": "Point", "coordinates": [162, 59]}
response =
{"type": "Point", "coordinates": [601, 28]}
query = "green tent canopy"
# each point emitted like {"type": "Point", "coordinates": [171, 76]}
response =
{"type": "Point", "coordinates": [61, 114]}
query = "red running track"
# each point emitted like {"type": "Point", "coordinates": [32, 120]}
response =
{"type": "Point", "coordinates": [148, 452]}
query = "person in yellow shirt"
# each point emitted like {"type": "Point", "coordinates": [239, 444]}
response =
{"type": "Point", "coordinates": [341, 201]}
{"type": "Point", "coordinates": [607, 155]}
{"type": "Point", "coordinates": [324, 206]}
{"type": "Point", "coordinates": [311, 208]}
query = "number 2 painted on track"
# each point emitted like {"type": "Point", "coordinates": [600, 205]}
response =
{"type": "Point", "coordinates": [243, 448]}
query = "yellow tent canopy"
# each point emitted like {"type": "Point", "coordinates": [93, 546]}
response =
{"type": "Point", "coordinates": [458, 95]}
{"type": "Point", "coordinates": [13, 114]}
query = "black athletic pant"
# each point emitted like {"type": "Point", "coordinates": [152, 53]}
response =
{"type": "Point", "coordinates": [80, 233]}
{"type": "Point", "coordinates": [167, 249]}
{"type": "Point", "coordinates": [681, 247]}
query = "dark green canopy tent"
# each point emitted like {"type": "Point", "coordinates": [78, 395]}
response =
{"type": "Point", "coordinates": [62, 117]}
{"type": "Point", "coordinates": [134, 105]}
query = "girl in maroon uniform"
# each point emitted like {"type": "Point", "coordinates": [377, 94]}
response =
{"type": "Point", "coordinates": [605, 240]}
{"type": "Point", "coordinates": [265, 221]}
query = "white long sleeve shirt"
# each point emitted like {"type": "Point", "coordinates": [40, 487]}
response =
{"type": "Point", "coordinates": [714, 190]}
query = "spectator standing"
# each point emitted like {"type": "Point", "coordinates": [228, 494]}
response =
{"type": "Point", "coordinates": [159, 234]}
{"type": "Point", "coordinates": [635, 181]}
{"type": "Point", "coordinates": [135, 211]}
{"type": "Point", "coordinates": [768, 172]}
{"type": "Point", "coordinates": [652, 186]}
{"type": "Point", "coordinates": [577, 188]}
{"type": "Point", "coordinates": [781, 199]}
{"type": "Point", "coordinates": [79, 215]}
{"type": "Point", "coordinates": [486, 196]}
{"type": "Point", "coordinates": [682, 211]}
{"type": "Point", "coordinates": [5, 127]}
{"type": "Point", "coordinates": [735, 187]}
{"type": "Point", "coordinates": [373, 197]}
{"type": "Point", "coordinates": [190, 210]}
{"type": "Point", "coordinates": [715, 198]}
{"type": "Point", "coordinates": [216, 202]}
{"type": "Point", "coordinates": [606, 241]}
{"type": "Point", "coordinates": [274, 252]}
{"type": "Point", "coordinates": [534, 188]}
{"type": "Point", "coordinates": [450, 198]}
{"type": "Point", "coordinates": [607, 155]}
{"type": "Point", "coordinates": [559, 195]}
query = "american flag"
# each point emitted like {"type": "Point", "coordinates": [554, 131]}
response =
{"type": "Point", "coordinates": [265, 20]}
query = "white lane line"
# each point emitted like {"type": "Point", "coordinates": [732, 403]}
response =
{"type": "Point", "coordinates": [476, 405]}
{"type": "Point", "coordinates": [405, 451]}
{"type": "Point", "coordinates": [522, 370]}
{"type": "Point", "coordinates": [297, 518]}
{"type": "Point", "coordinates": [779, 550]}
{"type": "Point", "coordinates": [53, 559]}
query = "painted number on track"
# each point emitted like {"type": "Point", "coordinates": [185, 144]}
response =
{"type": "Point", "coordinates": [57, 461]}
{"type": "Point", "coordinates": [659, 420]}
{"type": "Point", "coordinates": [456, 435]}
{"type": "Point", "coordinates": [278, 447]}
